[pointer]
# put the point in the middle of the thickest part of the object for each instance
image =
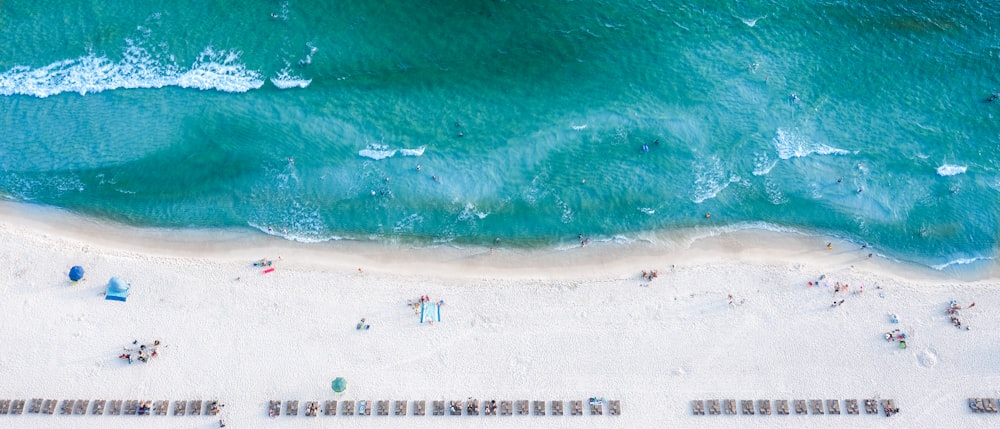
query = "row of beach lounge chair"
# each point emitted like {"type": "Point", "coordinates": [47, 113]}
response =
{"type": "Point", "coordinates": [983, 405]}
{"type": "Point", "coordinates": [798, 406]}
{"type": "Point", "coordinates": [471, 407]}
{"type": "Point", "coordinates": [111, 408]}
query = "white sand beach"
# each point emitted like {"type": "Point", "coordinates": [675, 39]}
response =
{"type": "Point", "coordinates": [565, 324]}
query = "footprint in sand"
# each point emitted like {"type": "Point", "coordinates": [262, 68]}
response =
{"type": "Point", "coordinates": [927, 358]}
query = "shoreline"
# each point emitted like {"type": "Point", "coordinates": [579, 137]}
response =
{"type": "Point", "coordinates": [659, 251]}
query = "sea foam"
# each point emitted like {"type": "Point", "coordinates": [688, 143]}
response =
{"type": "Point", "coordinates": [950, 170]}
{"type": "Point", "coordinates": [219, 70]}
{"type": "Point", "coordinates": [790, 146]}
{"type": "Point", "coordinates": [381, 151]}
{"type": "Point", "coordinates": [286, 80]}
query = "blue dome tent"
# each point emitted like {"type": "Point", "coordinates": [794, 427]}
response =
{"type": "Point", "coordinates": [117, 290]}
{"type": "Point", "coordinates": [75, 273]}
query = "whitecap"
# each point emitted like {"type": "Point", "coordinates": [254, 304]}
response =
{"type": "Point", "coordinates": [790, 146]}
{"type": "Point", "coordinates": [579, 127]}
{"type": "Point", "coordinates": [647, 210]}
{"type": "Point", "coordinates": [710, 179]}
{"type": "Point", "coordinates": [139, 68]}
{"type": "Point", "coordinates": [950, 170]}
{"type": "Point", "coordinates": [471, 212]}
{"type": "Point", "coordinates": [377, 153]}
{"type": "Point", "coordinates": [413, 152]}
{"type": "Point", "coordinates": [762, 164]}
{"type": "Point", "coordinates": [752, 22]}
{"type": "Point", "coordinates": [286, 80]}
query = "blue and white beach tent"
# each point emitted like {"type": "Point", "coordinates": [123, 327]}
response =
{"type": "Point", "coordinates": [117, 290]}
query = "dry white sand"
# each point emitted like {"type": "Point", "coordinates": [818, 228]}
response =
{"type": "Point", "coordinates": [563, 324]}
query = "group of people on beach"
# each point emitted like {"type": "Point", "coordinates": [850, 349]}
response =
{"type": "Point", "coordinates": [649, 276]}
{"type": "Point", "coordinates": [142, 354]}
{"type": "Point", "coordinates": [952, 311]}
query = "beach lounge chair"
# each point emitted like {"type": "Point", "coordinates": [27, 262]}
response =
{"type": "Point", "coordinates": [115, 407]}
{"type": "Point", "coordinates": [455, 408]}
{"type": "Point", "coordinates": [746, 406]}
{"type": "Point", "coordinates": [438, 409]}
{"type": "Point", "coordinates": [81, 406]}
{"type": "Point", "coordinates": [400, 409]}
{"type": "Point", "coordinates": [833, 406]}
{"type": "Point", "coordinates": [506, 408]}
{"type": "Point", "coordinates": [557, 408]}
{"type": "Point", "coordinates": [539, 407]}
{"type": "Point", "coordinates": [312, 408]}
{"type": "Point", "coordinates": [273, 408]}
{"type": "Point", "coordinates": [522, 407]}
{"type": "Point", "coordinates": [145, 408]}
{"type": "Point", "coordinates": [4, 406]}
{"type": "Point", "coordinates": [990, 404]}
{"type": "Point", "coordinates": [976, 404]}
{"type": "Point", "coordinates": [348, 409]}
{"type": "Point", "coordinates": [49, 407]}
{"type": "Point", "coordinates": [212, 408]}
{"type": "Point", "coordinates": [765, 406]}
{"type": "Point", "coordinates": [596, 408]}
{"type": "Point", "coordinates": [576, 408]}
{"type": "Point", "coordinates": [17, 406]}
{"type": "Point", "coordinates": [419, 408]}
{"type": "Point", "coordinates": [698, 407]}
{"type": "Point", "coordinates": [816, 406]}
{"type": "Point", "coordinates": [782, 406]}
{"type": "Point", "coordinates": [67, 406]}
{"type": "Point", "coordinates": [871, 407]}
{"type": "Point", "coordinates": [472, 408]}
{"type": "Point", "coordinates": [713, 407]}
{"type": "Point", "coordinates": [330, 408]}
{"type": "Point", "coordinates": [194, 407]}
{"type": "Point", "coordinates": [292, 408]}
{"type": "Point", "coordinates": [180, 407]}
{"type": "Point", "coordinates": [800, 406]}
{"type": "Point", "coordinates": [851, 405]}
{"type": "Point", "coordinates": [131, 407]}
{"type": "Point", "coordinates": [36, 406]}
{"type": "Point", "coordinates": [382, 408]}
{"type": "Point", "coordinates": [365, 407]}
{"type": "Point", "coordinates": [489, 409]}
{"type": "Point", "coordinates": [98, 408]}
{"type": "Point", "coordinates": [889, 406]}
{"type": "Point", "coordinates": [729, 406]}
{"type": "Point", "coordinates": [160, 407]}
{"type": "Point", "coordinates": [615, 407]}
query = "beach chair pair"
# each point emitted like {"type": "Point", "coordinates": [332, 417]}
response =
{"type": "Point", "coordinates": [382, 408]}
{"type": "Point", "coordinates": [833, 406]}
{"type": "Point", "coordinates": [816, 405]}
{"type": "Point", "coordinates": [4, 406]}
{"type": "Point", "coordinates": [557, 408]}
{"type": "Point", "coordinates": [419, 408]}
{"type": "Point", "coordinates": [713, 407]}
{"type": "Point", "coordinates": [312, 408]}
{"type": "Point", "coordinates": [782, 406]}
{"type": "Point", "coordinates": [438, 408]}
{"type": "Point", "coordinates": [746, 406]}
{"type": "Point", "coordinates": [871, 406]}
{"type": "Point", "coordinates": [698, 407]}
{"type": "Point", "coordinates": [800, 406]}
{"type": "Point", "coordinates": [472, 408]}
{"type": "Point", "coordinates": [348, 408]}
{"type": "Point", "coordinates": [539, 407]}
{"type": "Point", "coordinates": [615, 407]}
{"type": "Point", "coordinates": [764, 405]}
{"type": "Point", "coordinates": [400, 409]}
{"type": "Point", "coordinates": [330, 408]}
{"type": "Point", "coordinates": [851, 405]}
{"type": "Point", "coordinates": [576, 408]}
{"type": "Point", "coordinates": [522, 407]}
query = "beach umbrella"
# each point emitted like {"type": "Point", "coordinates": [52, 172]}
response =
{"type": "Point", "coordinates": [76, 273]}
{"type": "Point", "coordinates": [339, 385]}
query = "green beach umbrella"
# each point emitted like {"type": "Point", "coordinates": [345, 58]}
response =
{"type": "Point", "coordinates": [339, 385]}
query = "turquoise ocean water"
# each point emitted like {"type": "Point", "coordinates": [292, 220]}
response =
{"type": "Point", "coordinates": [527, 119]}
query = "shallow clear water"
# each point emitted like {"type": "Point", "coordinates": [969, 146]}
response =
{"type": "Point", "coordinates": [528, 120]}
